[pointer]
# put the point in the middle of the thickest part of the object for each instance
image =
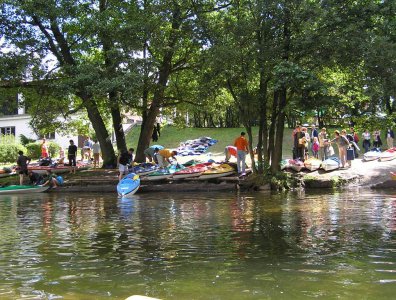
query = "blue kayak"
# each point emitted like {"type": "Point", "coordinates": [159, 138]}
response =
{"type": "Point", "coordinates": [128, 185]}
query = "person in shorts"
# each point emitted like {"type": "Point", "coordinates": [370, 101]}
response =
{"type": "Point", "coordinates": [96, 153]}
{"type": "Point", "coordinates": [22, 163]}
{"type": "Point", "coordinates": [123, 161]}
{"type": "Point", "coordinates": [71, 155]}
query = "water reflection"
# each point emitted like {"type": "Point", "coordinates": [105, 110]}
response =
{"type": "Point", "coordinates": [187, 246]}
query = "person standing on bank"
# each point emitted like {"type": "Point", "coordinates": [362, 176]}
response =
{"type": "Point", "coordinates": [314, 134]}
{"type": "Point", "coordinates": [154, 135]}
{"type": "Point", "coordinates": [123, 161]}
{"type": "Point", "coordinates": [323, 144]}
{"type": "Point", "coordinates": [22, 163]}
{"type": "Point", "coordinates": [342, 143]}
{"type": "Point", "coordinates": [389, 136]}
{"type": "Point", "coordinates": [72, 155]}
{"type": "Point", "coordinates": [44, 149]}
{"type": "Point", "coordinates": [96, 153]}
{"type": "Point", "coordinates": [242, 146]}
{"type": "Point", "coordinates": [366, 140]}
{"type": "Point", "coordinates": [159, 129]}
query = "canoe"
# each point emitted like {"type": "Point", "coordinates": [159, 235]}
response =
{"type": "Point", "coordinates": [330, 164]}
{"type": "Point", "coordinates": [128, 185]}
{"type": "Point", "coordinates": [371, 155]}
{"type": "Point", "coordinates": [217, 172]}
{"type": "Point", "coordinates": [312, 164]}
{"type": "Point", "coordinates": [388, 155]}
{"type": "Point", "coordinates": [23, 189]}
{"type": "Point", "coordinates": [296, 165]}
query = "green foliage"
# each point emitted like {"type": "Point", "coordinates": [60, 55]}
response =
{"type": "Point", "coordinates": [25, 140]}
{"type": "Point", "coordinates": [53, 149]}
{"type": "Point", "coordinates": [34, 149]}
{"type": "Point", "coordinates": [6, 139]}
{"type": "Point", "coordinates": [9, 152]}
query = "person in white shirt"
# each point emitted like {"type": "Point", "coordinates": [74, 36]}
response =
{"type": "Point", "coordinates": [366, 140]}
{"type": "Point", "coordinates": [96, 153]}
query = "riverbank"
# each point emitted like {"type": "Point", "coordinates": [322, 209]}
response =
{"type": "Point", "coordinates": [372, 175]}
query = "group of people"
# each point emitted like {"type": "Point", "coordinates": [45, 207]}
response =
{"type": "Point", "coordinates": [155, 153]}
{"type": "Point", "coordinates": [320, 143]}
{"type": "Point", "coordinates": [375, 140]}
{"type": "Point", "coordinates": [36, 179]}
{"type": "Point", "coordinates": [91, 151]}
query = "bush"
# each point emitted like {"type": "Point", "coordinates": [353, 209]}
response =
{"type": "Point", "coordinates": [53, 149]}
{"type": "Point", "coordinates": [9, 152]}
{"type": "Point", "coordinates": [25, 140]}
{"type": "Point", "coordinates": [34, 149]}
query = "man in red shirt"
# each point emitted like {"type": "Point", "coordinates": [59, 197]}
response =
{"type": "Point", "coordinates": [242, 148]}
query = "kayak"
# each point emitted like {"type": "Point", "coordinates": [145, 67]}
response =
{"type": "Point", "coordinates": [143, 169]}
{"type": "Point", "coordinates": [160, 174]}
{"type": "Point", "coordinates": [296, 165]}
{"type": "Point", "coordinates": [42, 170]}
{"type": "Point", "coordinates": [23, 189]}
{"type": "Point", "coordinates": [128, 185]}
{"type": "Point", "coordinates": [284, 164]}
{"type": "Point", "coordinates": [330, 164]}
{"type": "Point", "coordinates": [387, 155]}
{"type": "Point", "coordinates": [189, 172]}
{"type": "Point", "coordinates": [312, 164]}
{"type": "Point", "coordinates": [217, 171]}
{"type": "Point", "coordinates": [373, 154]}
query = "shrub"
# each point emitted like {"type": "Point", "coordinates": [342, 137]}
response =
{"type": "Point", "coordinates": [53, 149]}
{"type": "Point", "coordinates": [9, 152]}
{"type": "Point", "coordinates": [25, 140]}
{"type": "Point", "coordinates": [34, 149]}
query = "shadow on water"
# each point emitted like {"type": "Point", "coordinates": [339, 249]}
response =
{"type": "Point", "coordinates": [198, 246]}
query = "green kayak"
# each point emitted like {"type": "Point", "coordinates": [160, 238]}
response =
{"type": "Point", "coordinates": [22, 189]}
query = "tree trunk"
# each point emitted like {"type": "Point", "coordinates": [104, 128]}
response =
{"type": "Point", "coordinates": [117, 123]}
{"type": "Point", "coordinates": [280, 126]}
{"type": "Point", "coordinates": [108, 155]}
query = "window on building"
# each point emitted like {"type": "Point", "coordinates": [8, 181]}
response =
{"type": "Point", "coordinates": [49, 136]}
{"type": "Point", "coordinates": [8, 130]}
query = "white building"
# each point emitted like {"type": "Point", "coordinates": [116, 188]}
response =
{"type": "Point", "coordinates": [15, 121]}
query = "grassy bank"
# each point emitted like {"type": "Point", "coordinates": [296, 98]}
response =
{"type": "Point", "coordinates": [171, 137]}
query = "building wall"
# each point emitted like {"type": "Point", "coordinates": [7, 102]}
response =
{"type": "Point", "coordinates": [21, 124]}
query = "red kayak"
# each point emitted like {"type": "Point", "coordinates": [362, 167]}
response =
{"type": "Point", "coordinates": [189, 172]}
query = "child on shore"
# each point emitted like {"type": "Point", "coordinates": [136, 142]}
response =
{"type": "Point", "coordinates": [315, 147]}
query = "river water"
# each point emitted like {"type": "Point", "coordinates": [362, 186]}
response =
{"type": "Point", "coordinates": [199, 246]}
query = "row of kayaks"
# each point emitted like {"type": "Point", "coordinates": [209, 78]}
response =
{"type": "Point", "coordinates": [311, 164]}
{"type": "Point", "coordinates": [202, 171]}
{"type": "Point", "coordinates": [376, 154]}
{"type": "Point", "coordinates": [42, 170]}
{"type": "Point", "coordinates": [128, 186]}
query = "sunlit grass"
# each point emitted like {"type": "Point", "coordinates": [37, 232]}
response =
{"type": "Point", "coordinates": [171, 137]}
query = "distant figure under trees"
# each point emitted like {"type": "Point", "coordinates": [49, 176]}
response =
{"type": "Point", "coordinates": [154, 135]}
